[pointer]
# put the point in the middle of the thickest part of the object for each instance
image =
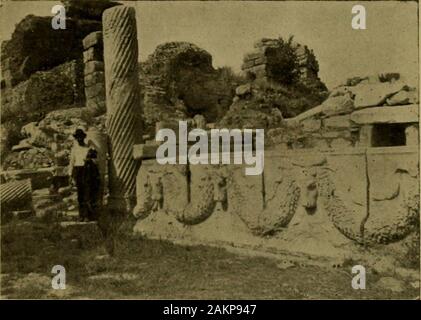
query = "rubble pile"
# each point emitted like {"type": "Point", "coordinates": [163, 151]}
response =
{"type": "Point", "coordinates": [48, 142]}
{"type": "Point", "coordinates": [179, 81]}
{"type": "Point", "coordinates": [44, 91]}
{"type": "Point", "coordinates": [35, 46]}
{"type": "Point", "coordinates": [31, 158]}
{"type": "Point", "coordinates": [353, 115]}
{"type": "Point", "coordinates": [57, 204]}
{"type": "Point", "coordinates": [43, 70]}
{"type": "Point", "coordinates": [282, 82]}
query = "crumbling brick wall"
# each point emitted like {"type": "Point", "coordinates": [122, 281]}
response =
{"type": "Point", "coordinates": [263, 61]}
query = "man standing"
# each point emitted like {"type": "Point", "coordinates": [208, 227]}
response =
{"type": "Point", "coordinates": [77, 173]}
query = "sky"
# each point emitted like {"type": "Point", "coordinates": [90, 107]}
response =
{"type": "Point", "coordinates": [228, 30]}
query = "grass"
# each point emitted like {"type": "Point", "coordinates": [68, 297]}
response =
{"type": "Point", "coordinates": [152, 269]}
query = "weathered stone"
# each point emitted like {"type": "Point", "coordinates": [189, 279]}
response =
{"type": "Point", "coordinates": [311, 125]}
{"type": "Point", "coordinates": [243, 90]}
{"type": "Point", "coordinates": [370, 95]}
{"type": "Point", "coordinates": [96, 105]}
{"type": "Point", "coordinates": [93, 66]}
{"type": "Point", "coordinates": [403, 97]}
{"type": "Point", "coordinates": [44, 91]}
{"type": "Point", "coordinates": [365, 136]}
{"type": "Point", "coordinates": [95, 90]}
{"type": "Point", "coordinates": [178, 80]}
{"type": "Point", "coordinates": [92, 54]}
{"type": "Point", "coordinates": [337, 122]}
{"type": "Point", "coordinates": [35, 46]}
{"type": "Point", "coordinates": [23, 145]}
{"type": "Point", "coordinates": [319, 143]}
{"type": "Point", "coordinates": [331, 134]}
{"type": "Point", "coordinates": [260, 60]}
{"type": "Point", "coordinates": [92, 39]}
{"type": "Point", "coordinates": [306, 114]}
{"type": "Point", "coordinates": [253, 55]}
{"type": "Point", "coordinates": [247, 65]}
{"type": "Point", "coordinates": [340, 143]}
{"type": "Point", "coordinates": [341, 91]}
{"type": "Point", "coordinates": [412, 135]}
{"type": "Point", "coordinates": [399, 114]}
{"type": "Point", "coordinates": [260, 71]}
{"type": "Point", "coordinates": [65, 191]}
{"type": "Point", "coordinates": [94, 78]}
{"type": "Point", "coordinates": [337, 105]}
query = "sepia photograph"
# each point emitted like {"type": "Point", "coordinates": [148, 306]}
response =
{"type": "Point", "coordinates": [209, 150]}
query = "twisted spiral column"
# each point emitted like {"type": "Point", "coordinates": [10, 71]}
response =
{"type": "Point", "coordinates": [123, 103]}
{"type": "Point", "coordinates": [15, 194]}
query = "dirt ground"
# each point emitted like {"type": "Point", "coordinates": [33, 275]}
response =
{"type": "Point", "coordinates": [153, 269]}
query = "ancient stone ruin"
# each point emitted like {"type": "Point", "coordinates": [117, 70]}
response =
{"type": "Point", "coordinates": [328, 155]}
{"type": "Point", "coordinates": [178, 81]}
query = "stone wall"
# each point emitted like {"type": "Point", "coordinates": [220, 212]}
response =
{"type": "Point", "coordinates": [322, 192]}
{"type": "Point", "coordinates": [93, 58]}
{"type": "Point", "coordinates": [44, 91]}
{"type": "Point", "coordinates": [35, 46]}
{"type": "Point", "coordinates": [305, 202]}
{"type": "Point", "coordinates": [268, 53]}
{"type": "Point", "coordinates": [368, 114]}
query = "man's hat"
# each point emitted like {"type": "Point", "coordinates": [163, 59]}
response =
{"type": "Point", "coordinates": [79, 133]}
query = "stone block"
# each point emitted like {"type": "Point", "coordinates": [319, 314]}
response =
{"type": "Point", "coordinates": [36, 46]}
{"type": "Point", "coordinates": [311, 125]}
{"type": "Point", "coordinates": [366, 136]}
{"type": "Point", "coordinates": [403, 97]}
{"type": "Point", "coordinates": [338, 122]}
{"type": "Point", "coordinates": [340, 143]}
{"type": "Point", "coordinates": [94, 78]}
{"type": "Point", "coordinates": [95, 90]}
{"type": "Point", "coordinates": [247, 64]}
{"type": "Point", "coordinates": [243, 90]}
{"type": "Point", "coordinates": [401, 114]}
{"type": "Point", "coordinates": [92, 39]}
{"type": "Point", "coordinates": [341, 91]}
{"type": "Point", "coordinates": [337, 105]}
{"type": "Point", "coordinates": [93, 66]}
{"type": "Point", "coordinates": [259, 71]}
{"type": "Point", "coordinates": [260, 60]}
{"type": "Point", "coordinates": [371, 95]}
{"type": "Point", "coordinates": [412, 135]}
{"type": "Point", "coordinates": [333, 134]}
{"type": "Point", "coordinates": [253, 56]}
{"type": "Point", "coordinates": [99, 107]}
{"type": "Point", "coordinates": [319, 143]}
{"type": "Point", "coordinates": [93, 54]}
